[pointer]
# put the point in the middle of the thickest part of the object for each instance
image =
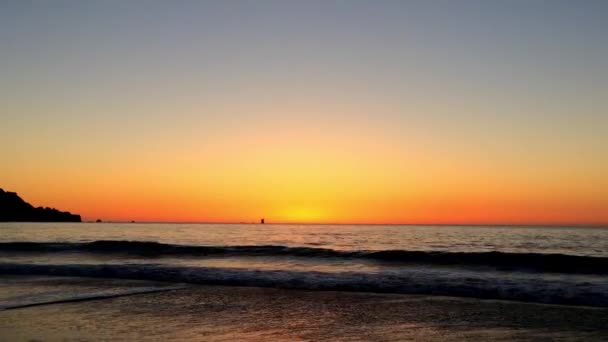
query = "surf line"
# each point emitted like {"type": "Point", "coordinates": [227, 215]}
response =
{"type": "Point", "coordinates": [91, 297]}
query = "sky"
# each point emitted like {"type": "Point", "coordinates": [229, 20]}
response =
{"type": "Point", "coordinates": [481, 112]}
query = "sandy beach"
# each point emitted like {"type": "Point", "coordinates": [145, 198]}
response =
{"type": "Point", "coordinates": [69, 308]}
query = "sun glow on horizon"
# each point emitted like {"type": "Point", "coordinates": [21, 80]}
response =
{"type": "Point", "coordinates": [301, 214]}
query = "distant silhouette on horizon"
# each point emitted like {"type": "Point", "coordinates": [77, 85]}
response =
{"type": "Point", "coordinates": [14, 209]}
{"type": "Point", "coordinates": [262, 221]}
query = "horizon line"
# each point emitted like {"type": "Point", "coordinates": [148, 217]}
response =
{"type": "Point", "coordinates": [581, 225]}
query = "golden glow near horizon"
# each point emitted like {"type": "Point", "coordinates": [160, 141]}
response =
{"type": "Point", "coordinates": [300, 112]}
{"type": "Point", "coordinates": [288, 174]}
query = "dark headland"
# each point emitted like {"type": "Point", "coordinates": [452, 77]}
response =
{"type": "Point", "coordinates": [15, 209]}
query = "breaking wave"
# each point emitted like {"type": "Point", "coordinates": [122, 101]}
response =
{"type": "Point", "coordinates": [536, 262]}
{"type": "Point", "coordinates": [486, 286]}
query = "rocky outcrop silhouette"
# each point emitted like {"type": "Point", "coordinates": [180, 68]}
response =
{"type": "Point", "coordinates": [15, 209]}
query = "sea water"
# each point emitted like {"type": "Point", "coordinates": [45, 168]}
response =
{"type": "Point", "coordinates": [555, 265]}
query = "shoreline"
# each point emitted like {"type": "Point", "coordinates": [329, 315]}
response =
{"type": "Point", "coordinates": [214, 313]}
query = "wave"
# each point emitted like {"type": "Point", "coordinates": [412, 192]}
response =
{"type": "Point", "coordinates": [486, 286]}
{"type": "Point", "coordinates": [558, 263]}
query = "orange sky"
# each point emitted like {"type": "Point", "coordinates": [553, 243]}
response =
{"type": "Point", "coordinates": [298, 176]}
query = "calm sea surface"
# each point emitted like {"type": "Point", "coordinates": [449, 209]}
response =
{"type": "Point", "coordinates": [561, 240]}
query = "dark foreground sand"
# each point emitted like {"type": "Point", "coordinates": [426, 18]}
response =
{"type": "Point", "coordinates": [215, 313]}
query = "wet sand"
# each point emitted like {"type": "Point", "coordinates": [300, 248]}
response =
{"type": "Point", "coordinates": [114, 309]}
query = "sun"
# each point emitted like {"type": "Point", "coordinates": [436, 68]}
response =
{"type": "Point", "coordinates": [303, 214]}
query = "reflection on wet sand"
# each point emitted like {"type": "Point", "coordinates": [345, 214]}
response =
{"type": "Point", "coordinates": [215, 313]}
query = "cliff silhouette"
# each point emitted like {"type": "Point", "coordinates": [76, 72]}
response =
{"type": "Point", "coordinates": [15, 209]}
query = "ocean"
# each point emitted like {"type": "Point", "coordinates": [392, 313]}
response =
{"type": "Point", "coordinates": [551, 265]}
